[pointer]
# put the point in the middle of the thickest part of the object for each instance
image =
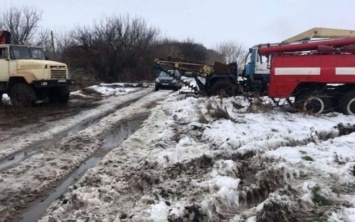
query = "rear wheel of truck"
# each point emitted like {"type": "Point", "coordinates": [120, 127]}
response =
{"type": "Point", "coordinates": [59, 95]}
{"type": "Point", "coordinates": [22, 95]}
{"type": "Point", "coordinates": [314, 103]}
{"type": "Point", "coordinates": [347, 103]}
{"type": "Point", "coordinates": [223, 88]}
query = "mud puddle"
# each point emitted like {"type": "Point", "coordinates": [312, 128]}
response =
{"type": "Point", "coordinates": [11, 161]}
{"type": "Point", "coordinates": [112, 140]}
{"type": "Point", "coordinates": [39, 207]}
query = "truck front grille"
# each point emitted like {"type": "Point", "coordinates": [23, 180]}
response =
{"type": "Point", "coordinates": [58, 74]}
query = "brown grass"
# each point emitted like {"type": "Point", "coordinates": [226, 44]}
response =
{"type": "Point", "coordinates": [209, 105]}
{"type": "Point", "coordinates": [258, 105]}
{"type": "Point", "coordinates": [201, 118]}
{"type": "Point", "coordinates": [219, 113]}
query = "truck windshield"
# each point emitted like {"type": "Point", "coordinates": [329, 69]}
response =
{"type": "Point", "coordinates": [164, 74]}
{"type": "Point", "coordinates": [37, 53]}
{"type": "Point", "coordinates": [20, 52]}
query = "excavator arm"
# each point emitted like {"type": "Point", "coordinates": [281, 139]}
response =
{"type": "Point", "coordinates": [197, 68]}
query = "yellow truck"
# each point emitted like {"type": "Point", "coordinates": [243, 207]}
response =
{"type": "Point", "coordinates": [26, 76]}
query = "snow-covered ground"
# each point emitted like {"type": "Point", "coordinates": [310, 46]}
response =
{"type": "Point", "coordinates": [221, 159]}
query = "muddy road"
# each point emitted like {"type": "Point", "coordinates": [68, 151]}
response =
{"type": "Point", "coordinates": [47, 148]}
{"type": "Point", "coordinates": [162, 156]}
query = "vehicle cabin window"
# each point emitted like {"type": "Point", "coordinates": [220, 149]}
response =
{"type": "Point", "coordinates": [175, 72]}
{"type": "Point", "coordinates": [20, 53]}
{"type": "Point", "coordinates": [2, 53]}
{"type": "Point", "coordinates": [37, 53]}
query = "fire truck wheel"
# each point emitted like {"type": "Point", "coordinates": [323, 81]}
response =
{"type": "Point", "coordinates": [347, 103]}
{"type": "Point", "coordinates": [223, 88]}
{"type": "Point", "coordinates": [316, 104]}
{"type": "Point", "coordinates": [22, 95]}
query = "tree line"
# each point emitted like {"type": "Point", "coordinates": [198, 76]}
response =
{"type": "Point", "coordinates": [115, 48]}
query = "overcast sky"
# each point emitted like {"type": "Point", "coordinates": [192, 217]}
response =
{"type": "Point", "coordinates": [208, 22]}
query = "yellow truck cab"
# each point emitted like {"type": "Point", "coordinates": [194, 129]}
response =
{"type": "Point", "coordinates": [26, 76]}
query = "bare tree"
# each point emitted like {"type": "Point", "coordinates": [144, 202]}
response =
{"type": "Point", "coordinates": [22, 23]}
{"type": "Point", "coordinates": [214, 56]}
{"type": "Point", "coordinates": [232, 52]}
{"type": "Point", "coordinates": [186, 50]}
{"type": "Point", "coordinates": [113, 49]}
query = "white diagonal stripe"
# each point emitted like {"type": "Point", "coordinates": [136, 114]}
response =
{"type": "Point", "coordinates": [345, 71]}
{"type": "Point", "coordinates": [298, 71]}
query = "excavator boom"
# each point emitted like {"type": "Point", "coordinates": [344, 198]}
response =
{"type": "Point", "coordinates": [201, 69]}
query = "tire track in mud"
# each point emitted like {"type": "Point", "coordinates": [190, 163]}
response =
{"type": "Point", "coordinates": [15, 158]}
{"type": "Point", "coordinates": [35, 176]}
{"type": "Point", "coordinates": [123, 130]}
{"type": "Point", "coordinates": [125, 184]}
{"type": "Point", "coordinates": [144, 182]}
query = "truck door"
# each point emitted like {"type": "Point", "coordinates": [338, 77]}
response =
{"type": "Point", "coordinates": [4, 65]}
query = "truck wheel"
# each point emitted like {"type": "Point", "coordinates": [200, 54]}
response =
{"type": "Point", "coordinates": [223, 88]}
{"type": "Point", "coordinates": [347, 103]}
{"type": "Point", "coordinates": [59, 95]}
{"type": "Point", "coordinates": [22, 95]}
{"type": "Point", "coordinates": [315, 104]}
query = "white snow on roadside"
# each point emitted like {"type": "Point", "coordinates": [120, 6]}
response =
{"type": "Point", "coordinates": [291, 144]}
{"type": "Point", "coordinates": [108, 90]}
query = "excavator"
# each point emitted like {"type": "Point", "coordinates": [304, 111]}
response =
{"type": "Point", "coordinates": [219, 79]}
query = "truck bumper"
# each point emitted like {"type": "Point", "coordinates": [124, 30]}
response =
{"type": "Point", "coordinates": [52, 83]}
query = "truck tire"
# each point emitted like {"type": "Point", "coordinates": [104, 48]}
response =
{"type": "Point", "coordinates": [347, 103]}
{"type": "Point", "coordinates": [59, 95]}
{"type": "Point", "coordinates": [223, 88]}
{"type": "Point", "coordinates": [22, 95]}
{"type": "Point", "coordinates": [314, 103]}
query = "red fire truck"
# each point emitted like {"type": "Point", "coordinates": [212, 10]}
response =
{"type": "Point", "coordinates": [320, 75]}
